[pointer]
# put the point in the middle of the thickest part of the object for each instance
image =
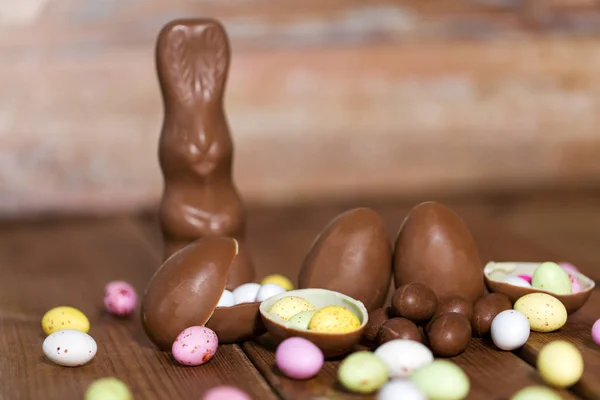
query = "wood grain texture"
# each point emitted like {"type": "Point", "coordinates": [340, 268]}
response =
{"type": "Point", "coordinates": [391, 98]}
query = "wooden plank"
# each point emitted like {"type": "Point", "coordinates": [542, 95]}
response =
{"type": "Point", "coordinates": [68, 263]}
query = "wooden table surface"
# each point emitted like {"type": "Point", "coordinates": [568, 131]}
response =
{"type": "Point", "coordinates": [51, 262]}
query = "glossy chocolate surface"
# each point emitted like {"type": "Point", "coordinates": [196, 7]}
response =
{"type": "Point", "coordinates": [449, 335]}
{"type": "Point", "coordinates": [485, 310]}
{"type": "Point", "coordinates": [434, 247]}
{"type": "Point", "coordinates": [236, 323]}
{"type": "Point", "coordinates": [377, 318]}
{"type": "Point", "coordinates": [352, 255]}
{"type": "Point", "coordinates": [185, 290]}
{"type": "Point", "coordinates": [195, 149]}
{"type": "Point", "coordinates": [415, 302]}
{"type": "Point", "coordinates": [398, 328]}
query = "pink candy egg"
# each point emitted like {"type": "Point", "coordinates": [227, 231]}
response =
{"type": "Point", "coordinates": [596, 332]}
{"type": "Point", "coordinates": [120, 298]}
{"type": "Point", "coordinates": [570, 268]}
{"type": "Point", "coordinates": [526, 278]}
{"type": "Point", "coordinates": [299, 358]}
{"type": "Point", "coordinates": [195, 346]}
{"type": "Point", "coordinates": [225, 393]}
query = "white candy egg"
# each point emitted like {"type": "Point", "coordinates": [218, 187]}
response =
{"type": "Point", "coordinates": [510, 330]}
{"type": "Point", "coordinates": [226, 299]}
{"type": "Point", "coordinates": [246, 293]}
{"type": "Point", "coordinates": [70, 348]}
{"type": "Point", "coordinates": [400, 389]}
{"type": "Point", "coordinates": [269, 290]}
{"type": "Point", "coordinates": [516, 281]}
{"type": "Point", "coordinates": [403, 356]}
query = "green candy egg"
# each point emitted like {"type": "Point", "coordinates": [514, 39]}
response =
{"type": "Point", "coordinates": [551, 277]}
{"type": "Point", "coordinates": [108, 389]}
{"type": "Point", "coordinates": [536, 393]}
{"type": "Point", "coordinates": [363, 372]}
{"type": "Point", "coordinates": [301, 320]}
{"type": "Point", "coordinates": [442, 380]}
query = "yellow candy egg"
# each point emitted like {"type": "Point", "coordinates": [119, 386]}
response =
{"type": "Point", "coordinates": [289, 306]}
{"type": "Point", "coordinates": [64, 317]}
{"type": "Point", "coordinates": [544, 312]}
{"type": "Point", "coordinates": [278, 280]}
{"type": "Point", "coordinates": [334, 319]}
{"type": "Point", "coordinates": [560, 364]}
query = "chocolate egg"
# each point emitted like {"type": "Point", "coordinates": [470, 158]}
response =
{"type": "Point", "coordinates": [352, 255]}
{"type": "Point", "coordinates": [485, 310]}
{"type": "Point", "coordinates": [185, 292]}
{"type": "Point", "coordinates": [455, 304]}
{"type": "Point", "coordinates": [434, 247]}
{"type": "Point", "coordinates": [449, 335]}
{"type": "Point", "coordinates": [398, 328]}
{"type": "Point", "coordinates": [377, 318]}
{"type": "Point", "coordinates": [414, 301]}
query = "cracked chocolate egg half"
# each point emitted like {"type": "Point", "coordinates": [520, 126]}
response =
{"type": "Point", "coordinates": [185, 292]}
{"type": "Point", "coordinates": [496, 274]}
{"type": "Point", "coordinates": [352, 255]}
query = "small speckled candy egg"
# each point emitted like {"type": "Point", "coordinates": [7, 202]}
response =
{"type": "Point", "coordinates": [526, 278]}
{"type": "Point", "coordinates": [287, 307]}
{"type": "Point", "coordinates": [560, 364]}
{"type": "Point", "coordinates": [108, 389]}
{"type": "Point", "coordinates": [517, 281]}
{"type": "Point", "coordinates": [363, 372]}
{"type": "Point", "coordinates": [226, 299]}
{"type": "Point", "coordinates": [334, 319]}
{"type": "Point", "coordinates": [299, 358]}
{"type": "Point", "coordinates": [404, 356]}
{"type": "Point", "coordinates": [551, 277]}
{"type": "Point", "coordinates": [70, 348]}
{"type": "Point", "coordinates": [536, 393]}
{"type": "Point", "coordinates": [301, 320]}
{"type": "Point", "coordinates": [596, 332]}
{"type": "Point", "coordinates": [196, 345]}
{"type": "Point", "coordinates": [246, 293]}
{"type": "Point", "coordinates": [120, 298]}
{"type": "Point", "coordinates": [278, 280]}
{"type": "Point", "coordinates": [60, 318]}
{"type": "Point", "coordinates": [510, 330]}
{"type": "Point", "coordinates": [442, 380]}
{"type": "Point", "coordinates": [225, 393]}
{"type": "Point", "coordinates": [570, 268]}
{"type": "Point", "coordinates": [269, 290]}
{"type": "Point", "coordinates": [575, 285]}
{"type": "Point", "coordinates": [400, 389]}
{"type": "Point", "coordinates": [544, 312]}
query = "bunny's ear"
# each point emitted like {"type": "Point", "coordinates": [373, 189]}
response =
{"type": "Point", "coordinates": [192, 60]}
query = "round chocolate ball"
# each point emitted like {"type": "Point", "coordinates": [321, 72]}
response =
{"type": "Point", "coordinates": [414, 301]}
{"type": "Point", "coordinates": [453, 304]}
{"type": "Point", "coordinates": [449, 334]}
{"type": "Point", "coordinates": [485, 310]}
{"type": "Point", "coordinates": [377, 318]}
{"type": "Point", "coordinates": [398, 328]}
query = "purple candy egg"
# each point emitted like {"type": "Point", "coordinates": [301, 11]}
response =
{"type": "Point", "coordinates": [225, 393]}
{"type": "Point", "coordinates": [526, 278]}
{"type": "Point", "coordinates": [570, 268]}
{"type": "Point", "coordinates": [596, 332]}
{"type": "Point", "coordinates": [299, 358]}
{"type": "Point", "coordinates": [120, 298]}
{"type": "Point", "coordinates": [195, 346]}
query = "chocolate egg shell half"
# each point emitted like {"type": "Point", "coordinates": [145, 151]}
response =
{"type": "Point", "coordinates": [434, 247]}
{"type": "Point", "coordinates": [185, 292]}
{"type": "Point", "coordinates": [332, 344]}
{"type": "Point", "coordinates": [496, 272]}
{"type": "Point", "coordinates": [352, 255]}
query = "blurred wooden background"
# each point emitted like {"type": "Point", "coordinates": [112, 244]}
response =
{"type": "Point", "coordinates": [326, 99]}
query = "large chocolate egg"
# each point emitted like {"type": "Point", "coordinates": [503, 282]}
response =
{"type": "Point", "coordinates": [434, 247]}
{"type": "Point", "coordinates": [352, 255]}
{"type": "Point", "coordinates": [185, 292]}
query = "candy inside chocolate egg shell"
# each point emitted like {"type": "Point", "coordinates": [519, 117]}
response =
{"type": "Point", "coordinates": [185, 292]}
{"type": "Point", "coordinates": [434, 247]}
{"type": "Point", "coordinates": [332, 344]}
{"type": "Point", "coordinates": [496, 272]}
{"type": "Point", "coordinates": [352, 255]}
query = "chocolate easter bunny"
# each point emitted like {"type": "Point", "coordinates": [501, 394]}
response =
{"type": "Point", "coordinates": [195, 150]}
